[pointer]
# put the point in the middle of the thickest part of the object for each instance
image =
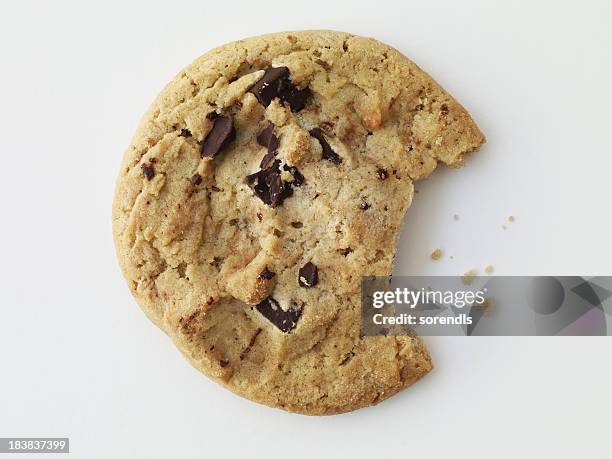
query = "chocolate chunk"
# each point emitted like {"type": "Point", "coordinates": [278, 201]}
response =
{"type": "Point", "coordinates": [196, 179]}
{"type": "Point", "coordinates": [266, 138]}
{"type": "Point", "coordinates": [285, 321]}
{"type": "Point", "coordinates": [328, 153]}
{"type": "Point", "coordinates": [268, 159]}
{"type": "Point", "coordinates": [270, 85]}
{"type": "Point", "coordinates": [148, 171]}
{"type": "Point", "coordinates": [279, 190]}
{"type": "Point", "coordinates": [296, 98]}
{"type": "Point", "coordinates": [266, 274]}
{"type": "Point", "coordinates": [365, 205]}
{"type": "Point", "coordinates": [185, 133]}
{"type": "Point", "coordinates": [223, 363]}
{"type": "Point", "coordinates": [216, 189]}
{"type": "Point", "coordinates": [268, 185]}
{"type": "Point", "coordinates": [444, 109]}
{"type": "Point", "coordinates": [258, 183]}
{"type": "Point", "coordinates": [276, 83]}
{"type": "Point", "coordinates": [261, 183]}
{"type": "Point", "coordinates": [382, 173]}
{"type": "Point", "coordinates": [219, 137]}
{"type": "Point", "coordinates": [308, 275]}
{"type": "Point", "coordinates": [297, 224]}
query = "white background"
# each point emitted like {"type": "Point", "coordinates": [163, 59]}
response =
{"type": "Point", "coordinates": [79, 359]}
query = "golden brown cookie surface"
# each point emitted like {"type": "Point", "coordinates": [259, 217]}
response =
{"type": "Point", "coordinates": [265, 180]}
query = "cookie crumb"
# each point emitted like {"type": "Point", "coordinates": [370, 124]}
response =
{"type": "Point", "coordinates": [456, 217]}
{"type": "Point", "coordinates": [488, 269]}
{"type": "Point", "coordinates": [468, 276]}
{"type": "Point", "coordinates": [436, 254]}
{"type": "Point", "coordinates": [504, 227]}
{"type": "Point", "coordinates": [511, 218]}
{"type": "Point", "coordinates": [486, 305]}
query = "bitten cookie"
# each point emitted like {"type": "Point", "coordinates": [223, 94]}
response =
{"type": "Point", "coordinates": [265, 180]}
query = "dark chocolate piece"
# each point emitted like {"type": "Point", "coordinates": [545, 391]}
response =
{"type": "Point", "coordinates": [295, 97]}
{"type": "Point", "coordinates": [268, 159]}
{"type": "Point", "coordinates": [308, 275]}
{"type": "Point", "coordinates": [285, 321]}
{"type": "Point", "coordinates": [270, 85]}
{"type": "Point", "coordinates": [365, 205]}
{"type": "Point", "coordinates": [260, 182]}
{"type": "Point", "coordinates": [266, 274]}
{"type": "Point", "coordinates": [278, 190]}
{"type": "Point", "coordinates": [276, 83]}
{"type": "Point", "coordinates": [257, 183]}
{"type": "Point", "coordinates": [196, 179]}
{"type": "Point", "coordinates": [328, 153]}
{"type": "Point", "coordinates": [382, 173]}
{"type": "Point", "coordinates": [268, 185]}
{"type": "Point", "coordinates": [266, 138]}
{"type": "Point", "coordinates": [219, 137]}
{"type": "Point", "coordinates": [185, 133]}
{"type": "Point", "coordinates": [148, 171]}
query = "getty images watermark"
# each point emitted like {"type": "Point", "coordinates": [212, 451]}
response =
{"type": "Point", "coordinates": [486, 306]}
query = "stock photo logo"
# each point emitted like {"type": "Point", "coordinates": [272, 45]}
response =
{"type": "Point", "coordinates": [487, 306]}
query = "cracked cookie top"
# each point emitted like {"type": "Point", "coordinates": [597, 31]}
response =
{"type": "Point", "coordinates": [264, 181]}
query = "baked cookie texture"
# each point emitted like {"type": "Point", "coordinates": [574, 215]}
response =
{"type": "Point", "coordinates": [264, 181]}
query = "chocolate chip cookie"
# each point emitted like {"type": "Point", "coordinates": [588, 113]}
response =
{"type": "Point", "coordinates": [265, 180]}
